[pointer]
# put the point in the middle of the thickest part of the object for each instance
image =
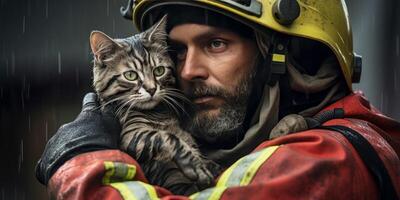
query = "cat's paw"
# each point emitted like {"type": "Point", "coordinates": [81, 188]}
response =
{"type": "Point", "coordinates": [214, 168]}
{"type": "Point", "coordinates": [199, 170]}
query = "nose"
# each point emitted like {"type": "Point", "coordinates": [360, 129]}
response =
{"type": "Point", "coordinates": [194, 66]}
{"type": "Point", "coordinates": [151, 91]}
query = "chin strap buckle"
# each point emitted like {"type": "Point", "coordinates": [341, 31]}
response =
{"type": "Point", "coordinates": [278, 58]}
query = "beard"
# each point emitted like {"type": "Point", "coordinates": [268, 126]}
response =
{"type": "Point", "coordinates": [229, 121]}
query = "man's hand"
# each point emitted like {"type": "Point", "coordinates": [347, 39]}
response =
{"type": "Point", "coordinates": [92, 130]}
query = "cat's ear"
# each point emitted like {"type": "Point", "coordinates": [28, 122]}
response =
{"type": "Point", "coordinates": [157, 33]}
{"type": "Point", "coordinates": [102, 45]}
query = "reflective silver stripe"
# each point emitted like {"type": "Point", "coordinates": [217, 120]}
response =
{"type": "Point", "coordinates": [135, 190]}
{"type": "Point", "coordinates": [210, 194]}
{"type": "Point", "coordinates": [124, 191]}
{"type": "Point", "coordinates": [243, 171]}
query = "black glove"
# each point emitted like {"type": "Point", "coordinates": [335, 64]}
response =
{"type": "Point", "coordinates": [92, 130]}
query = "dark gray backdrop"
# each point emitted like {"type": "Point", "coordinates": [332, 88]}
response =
{"type": "Point", "coordinates": [45, 71]}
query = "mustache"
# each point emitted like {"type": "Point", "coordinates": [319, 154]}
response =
{"type": "Point", "coordinates": [199, 89]}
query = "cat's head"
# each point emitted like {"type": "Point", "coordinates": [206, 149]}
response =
{"type": "Point", "coordinates": [135, 70]}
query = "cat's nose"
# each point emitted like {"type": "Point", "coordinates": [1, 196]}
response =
{"type": "Point", "coordinates": [151, 91]}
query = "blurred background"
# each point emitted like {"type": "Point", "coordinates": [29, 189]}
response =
{"type": "Point", "coordinates": [45, 69]}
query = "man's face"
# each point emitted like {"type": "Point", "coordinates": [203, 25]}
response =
{"type": "Point", "coordinates": [215, 69]}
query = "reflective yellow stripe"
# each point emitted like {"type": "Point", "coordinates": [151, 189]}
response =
{"type": "Point", "coordinates": [278, 57]}
{"type": "Point", "coordinates": [227, 173]}
{"type": "Point", "coordinates": [117, 175]}
{"type": "Point", "coordinates": [217, 193]}
{"type": "Point", "coordinates": [117, 172]}
{"type": "Point", "coordinates": [209, 194]}
{"type": "Point", "coordinates": [124, 191]}
{"type": "Point", "coordinates": [110, 170]}
{"type": "Point", "coordinates": [243, 171]}
{"type": "Point", "coordinates": [253, 168]}
{"type": "Point", "coordinates": [194, 196]}
{"type": "Point", "coordinates": [131, 172]}
{"type": "Point", "coordinates": [151, 191]}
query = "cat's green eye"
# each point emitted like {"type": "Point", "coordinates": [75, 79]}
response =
{"type": "Point", "coordinates": [131, 75]}
{"type": "Point", "coordinates": [159, 71]}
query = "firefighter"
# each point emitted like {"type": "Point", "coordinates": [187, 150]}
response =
{"type": "Point", "coordinates": [285, 122]}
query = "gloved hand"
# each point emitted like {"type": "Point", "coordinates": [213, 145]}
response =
{"type": "Point", "coordinates": [92, 130]}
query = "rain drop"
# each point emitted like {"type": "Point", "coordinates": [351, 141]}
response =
{"type": "Point", "coordinates": [21, 156]}
{"type": "Point", "coordinates": [59, 62]}
{"type": "Point", "coordinates": [397, 45]}
{"type": "Point", "coordinates": [381, 103]}
{"type": "Point", "coordinates": [77, 76]}
{"type": "Point", "coordinates": [28, 91]}
{"type": "Point", "coordinates": [23, 82]}
{"type": "Point", "coordinates": [47, 9]}
{"type": "Point", "coordinates": [113, 26]}
{"type": "Point", "coordinates": [108, 8]}
{"type": "Point", "coordinates": [23, 24]}
{"type": "Point", "coordinates": [4, 49]}
{"type": "Point", "coordinates": [29, 123]}
{"type": "Point", "coordinates": [22, 150]}
{"type": "Point", "coordinates": [47, 131]}
{"type": "Point", "coordinates": [6, 67]}
{"type": "Point", "coordinates": [22, 92]}
{"type": "Point", "coordinates": [12, 63]}
{"type": "Point", "coordinates": [22, 100]}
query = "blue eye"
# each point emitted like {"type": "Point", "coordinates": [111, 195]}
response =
{"type": "Point", "coordinates": [159, 71]}
{"type": "Point", "coordinates": [131, 75]}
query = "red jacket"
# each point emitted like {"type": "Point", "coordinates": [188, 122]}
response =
{"type": "Point", "coordinates": [313, 164]}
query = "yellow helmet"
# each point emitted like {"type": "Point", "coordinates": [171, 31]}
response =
{"type": "Point", "coordinates": [325, 21]}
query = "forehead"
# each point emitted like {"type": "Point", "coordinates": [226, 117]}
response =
{"type": "Point", "coordinates": [187, 32]}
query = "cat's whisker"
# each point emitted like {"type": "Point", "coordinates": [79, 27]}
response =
{"type": "Point", "coordinates": [130, 98]}
{"type": "Point", "coordinates": [111, 101]}
{"type": "Point", "coordinates": [176, 93]}
{"type": "Point", "coordinates": [129, 108]}
{"type": "Point", "coordinates": [120, 109]}
{"type": "Point", "coordinates": [171, 105]}
{"type": "Point", "coordinates": [181, 107]}
{"type": "Point", "coordinates": [117, 112]}
{"type": "Point", "coordinates": [175, 103]}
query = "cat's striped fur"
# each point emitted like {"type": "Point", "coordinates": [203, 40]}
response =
{"type": "Point", "coordinates": [126, 76]}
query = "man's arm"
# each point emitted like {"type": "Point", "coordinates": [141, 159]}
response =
{"type": "Point", "coordinates": [316, 164]}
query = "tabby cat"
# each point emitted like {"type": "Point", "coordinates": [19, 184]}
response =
{"type": "Point", "coordinates": [135, 76]}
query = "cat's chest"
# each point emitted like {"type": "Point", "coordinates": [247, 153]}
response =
{"type": "Point", "coordinates": [155, 119]}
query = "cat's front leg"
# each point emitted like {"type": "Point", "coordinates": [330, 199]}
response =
{"type": "Point", "coordinates": [159, 145]}
{"type": "Point", "coordinates": [168, 175]}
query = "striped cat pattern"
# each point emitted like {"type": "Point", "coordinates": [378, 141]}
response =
{"type": "Point", "coordinates": [135, 77]}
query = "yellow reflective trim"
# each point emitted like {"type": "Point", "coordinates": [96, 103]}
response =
{"type": "Point", "coordinates": [278, 57]}
{"type": "Point", "coordinates": [246, 169]}
{"type": "Point", "coordinates": [214, 193]}
{"type": "Point", "coordinates": [124, 191]}
{"type": "Point", "coordinates": [255, 165]}
{"type": "Point", "coordinates": [110, 170]}
{"type": "Point", "coordinates": [217, 193]}
{"type": "Point", "coordinates": [227, 173]}
{"type": "Point", "coordinates": [194, 196]}
{"type": "Point", "coordinates": [131, 172]}
{"type": "Point", "coordinates": [151, 191]}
